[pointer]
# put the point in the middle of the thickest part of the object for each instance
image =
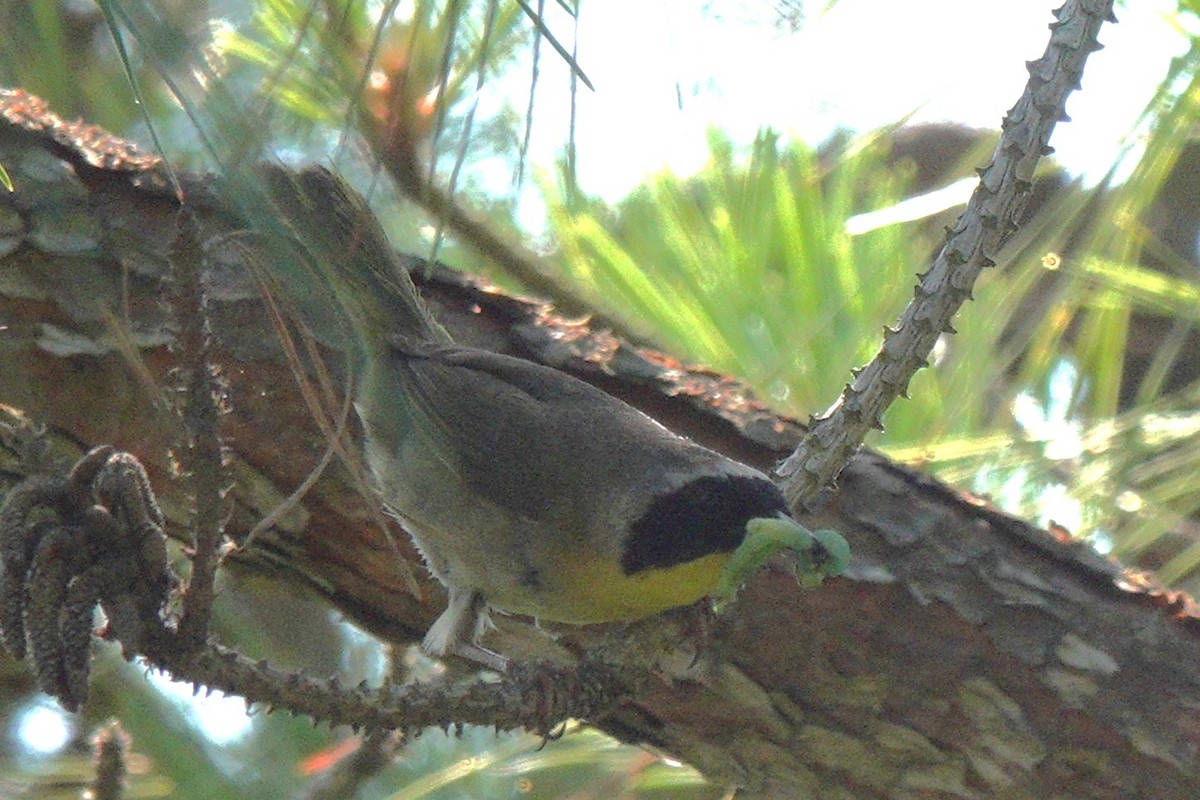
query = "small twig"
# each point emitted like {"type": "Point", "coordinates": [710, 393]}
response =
{"type": "Point", "coordinates": [398, 156]}
{"type": "Point", "coordinates": [468, 124]}
{"type": "Point", "coordinates": [112, 746]}
{"type": "Point", "coordinates": [971, 246]}
{"type": "Point", "coordinates": [203, 461]}
{"type": "Point", "coordinates": [527, 137]}
{"type": "Point", "coordinates": [543, 32]}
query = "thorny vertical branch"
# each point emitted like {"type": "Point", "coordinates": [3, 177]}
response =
{"type": "Point", "coordinates": [201, 455]}
{"type": "Point", "coordinates": [971, 246]}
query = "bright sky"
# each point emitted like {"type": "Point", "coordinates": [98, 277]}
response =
{"type": "Point", "coordinates": [864, 64]}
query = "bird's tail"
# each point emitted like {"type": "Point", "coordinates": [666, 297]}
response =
{"type": "Point", "coordinates": [328, 246]}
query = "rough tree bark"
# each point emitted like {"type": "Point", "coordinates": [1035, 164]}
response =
{"type": "Point", "coordinates": [965, 654]}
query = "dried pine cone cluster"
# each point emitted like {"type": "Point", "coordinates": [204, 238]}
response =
{"type": "Point", "coordinates": [69, 543]}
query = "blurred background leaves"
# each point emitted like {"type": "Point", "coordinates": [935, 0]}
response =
{"type": "Point", "coordinates": [1070, 394]}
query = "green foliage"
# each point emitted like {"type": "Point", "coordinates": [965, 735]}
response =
{"type": "Point", "coordinates": [583, 763]}
{"type": "Point", "coordinates": [749, 267]}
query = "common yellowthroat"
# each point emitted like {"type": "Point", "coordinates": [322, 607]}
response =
{"type": "Point", "coordinates": [526, 490]}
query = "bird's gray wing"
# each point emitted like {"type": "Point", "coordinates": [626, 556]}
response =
{"type": "Point", "coordinates": [523, 435]}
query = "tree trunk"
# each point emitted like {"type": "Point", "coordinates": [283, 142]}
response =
{"type": "Point", "coordinates": [965, 654]}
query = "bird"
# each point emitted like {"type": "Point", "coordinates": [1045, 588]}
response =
{"type": "Point", "coordinates": [525, 490]}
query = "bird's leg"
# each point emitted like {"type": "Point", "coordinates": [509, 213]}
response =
{"type": "Point", "coordinates": [457, 631]}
